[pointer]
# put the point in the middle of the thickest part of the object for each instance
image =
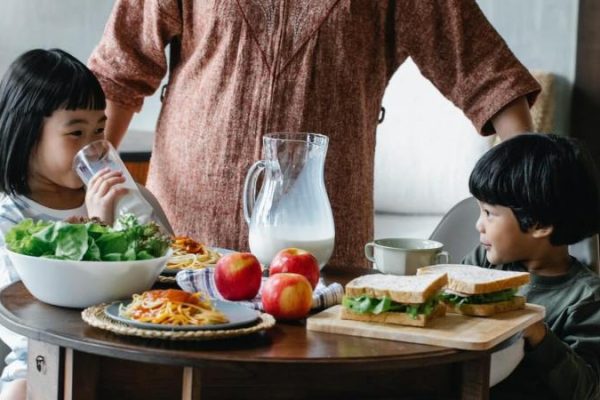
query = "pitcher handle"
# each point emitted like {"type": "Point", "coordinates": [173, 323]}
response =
{"type": "Point", "coordinates": [250, 188]}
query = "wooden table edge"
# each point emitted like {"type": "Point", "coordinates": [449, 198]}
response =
{"type": "Point", "coordinates": [92, 346]}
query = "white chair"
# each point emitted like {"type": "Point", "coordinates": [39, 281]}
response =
{"type": "Point", "coordinates": [4, 351]}
{"type": "Point", "coordinates": [457, 232]}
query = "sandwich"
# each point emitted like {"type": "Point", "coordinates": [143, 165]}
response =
{"type": "Point", "coordinates": [403, 300]}
{"type": "Point", "coordinates": [477, 291]}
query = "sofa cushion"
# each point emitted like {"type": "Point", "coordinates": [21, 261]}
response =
{"type": "Point", "coordinates": [426, 148]}
{"type": "Point", "coordinates": [389, 225]}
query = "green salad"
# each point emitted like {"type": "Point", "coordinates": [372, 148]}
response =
{"type": "Point", "coordinates": [90, 241]}
{"type": "Point", "coordinates": [369, 305]}
{"type": "Point", "coordinates": [494, 297]}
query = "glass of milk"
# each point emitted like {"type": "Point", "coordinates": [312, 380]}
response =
{"type": "Point", "coordinates": [292, 208]}
{"type": "Point", "coordinates": [101, 154]}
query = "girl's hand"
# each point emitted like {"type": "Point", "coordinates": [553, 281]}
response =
{"type": "Point", "coordinates": [103, 191]}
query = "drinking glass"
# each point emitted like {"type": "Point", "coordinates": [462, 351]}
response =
{"type": "Point", "coordinates": [101, 154]}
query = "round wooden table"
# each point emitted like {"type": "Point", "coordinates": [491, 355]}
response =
{"type": "Point", "coordinates": [69, 359]}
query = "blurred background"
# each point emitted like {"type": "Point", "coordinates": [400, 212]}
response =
{"type": "Point", "coordinates": [420, 172]}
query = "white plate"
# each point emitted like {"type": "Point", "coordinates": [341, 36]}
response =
{"type": "Point", "coordinates": [237, 315]}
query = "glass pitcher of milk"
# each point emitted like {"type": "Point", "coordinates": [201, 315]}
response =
{"type": "Point", "coordinates": [292, 208]}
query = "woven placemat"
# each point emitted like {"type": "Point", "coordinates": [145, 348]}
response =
{"type": "Point", "coordinates": [96, 317]}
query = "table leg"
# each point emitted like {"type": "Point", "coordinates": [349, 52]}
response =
{"type": "Point", "coordinates": [81, 375]}
{"type": "Point", "coordinates": [191, 384]}
{"type": "Point", "coordinates": [44, 371]}
{"type": "Point", "coordinates": [476, 379]}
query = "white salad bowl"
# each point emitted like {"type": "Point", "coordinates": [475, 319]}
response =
{"type": "Point", "coordinates": [81, 284]}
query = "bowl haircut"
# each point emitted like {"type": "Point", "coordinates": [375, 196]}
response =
{"type": "Point", "coordinates": [546, 180]}
{"type": "Point", "coordinates": [35, 85]}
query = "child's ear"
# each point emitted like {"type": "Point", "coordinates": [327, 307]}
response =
{"type": "Point", "coordinates": [540, 232]}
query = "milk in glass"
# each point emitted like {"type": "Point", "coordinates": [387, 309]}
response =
{"type": "Point", "coordinates": [101, 154]}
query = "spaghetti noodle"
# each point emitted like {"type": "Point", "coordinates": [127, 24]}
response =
{"type": "Point", "coordinates": [172, 307]}
{"type": "Point", "coordinates": [190, 254]}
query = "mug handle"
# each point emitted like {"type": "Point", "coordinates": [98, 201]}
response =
{"type": "Point", "coordinates": [444, 255]}
{"type": "Point", "coordinates": [369, 252]}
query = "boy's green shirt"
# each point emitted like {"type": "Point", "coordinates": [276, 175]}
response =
{"type": "Point", "coordinates": [566, 364]}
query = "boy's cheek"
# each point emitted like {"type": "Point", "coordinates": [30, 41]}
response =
{"type": "Point", "coordinates": [489, 257]}
{"type": "Point", "coordinates": [492, 257]}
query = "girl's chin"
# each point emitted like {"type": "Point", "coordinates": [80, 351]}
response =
{"type": "Point", "coordinates": [74, 185]}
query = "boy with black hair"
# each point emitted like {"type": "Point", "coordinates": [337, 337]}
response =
{"type": "Point", "coordinates": [538, 194]}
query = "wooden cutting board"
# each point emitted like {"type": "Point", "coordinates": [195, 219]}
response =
{"type": "Point", "coordinates": [454, 330]}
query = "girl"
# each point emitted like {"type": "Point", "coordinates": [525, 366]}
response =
{"type": "Point", "coordinates": [51, 106]}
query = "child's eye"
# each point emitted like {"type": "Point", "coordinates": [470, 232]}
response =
{"type": "Point", "coordinates": [486, 212]}
{"type": "Point", "coordinates": [99, 131]}
{"type": "Point", "coordinates": [75, 133]}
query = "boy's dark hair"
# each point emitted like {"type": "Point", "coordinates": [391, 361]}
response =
{"type": "Point", "coordinates": [546, 180]}
{"type": "Point", "coordinates": [35, 85]}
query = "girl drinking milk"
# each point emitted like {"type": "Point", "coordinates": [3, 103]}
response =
{"type": "Point", "coordinates": [51, 106]}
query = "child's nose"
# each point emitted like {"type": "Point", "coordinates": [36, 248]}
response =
{"type": "Point", "coordinates": [479, 225]}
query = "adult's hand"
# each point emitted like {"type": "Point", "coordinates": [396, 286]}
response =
{"type": "Point", "coordinates": [512, 120]}
{"type": "Point", "coordinates": [117, 123]}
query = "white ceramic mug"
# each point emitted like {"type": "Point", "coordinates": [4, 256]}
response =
{"type": "Point", "coordinates": [402, 256]}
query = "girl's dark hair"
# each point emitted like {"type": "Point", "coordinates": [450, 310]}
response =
{"type": "Point", "coordinates": [546, 180]}
{"type": "Point", "coordinates": [35, 85]}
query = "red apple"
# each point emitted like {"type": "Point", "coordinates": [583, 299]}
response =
{"type": "Point", "coordinates": [287, 296]}
{"type": "Point", "coordinates": [238, 276]}
{"type": "Point", "coordinates": [297, 261]}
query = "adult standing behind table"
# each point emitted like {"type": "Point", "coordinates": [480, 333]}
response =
{"type": "Point", "coordinates": [242, 68]}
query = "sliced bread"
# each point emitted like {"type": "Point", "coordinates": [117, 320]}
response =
{"type": "Point", "coordinates": [402, 289]}
{"type": "Point", "coordinates": [470, 279]}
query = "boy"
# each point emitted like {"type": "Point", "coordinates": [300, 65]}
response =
{"type": "Point", "coordinates": [537, 194]}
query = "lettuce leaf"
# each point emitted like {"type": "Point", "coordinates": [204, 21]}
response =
{"type": "Point", "coordinates": [88, 241]}
{"type": "Point", "coordinates": [67, 241]}
{"type": "Point", "coordinates": [21, 238]}
{"type": "Point", "coordinates": [369, 305]}
{"type": "Point", "coordinates": [494, 297]}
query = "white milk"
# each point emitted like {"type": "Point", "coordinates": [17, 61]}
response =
{"type": "Point", "coordinates": [265, 246]}
{"type": "Point", "coordinates": [101, 154]}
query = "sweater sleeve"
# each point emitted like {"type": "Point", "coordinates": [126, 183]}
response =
{"type": "Point", "coordinates": [457, 49]}
{"type": "Point", "coordinates": [571, 367]}
{"type": "Point", "coordinates": [130, 59]}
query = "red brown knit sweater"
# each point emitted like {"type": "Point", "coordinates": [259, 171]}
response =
{"type": "Point", "coordinates": [248, 67]}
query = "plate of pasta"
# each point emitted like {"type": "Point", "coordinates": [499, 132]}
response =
{"type": "Point", "coordinates": [190, 254]}
{"type": "Point", "coordinates": [174, 309]}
